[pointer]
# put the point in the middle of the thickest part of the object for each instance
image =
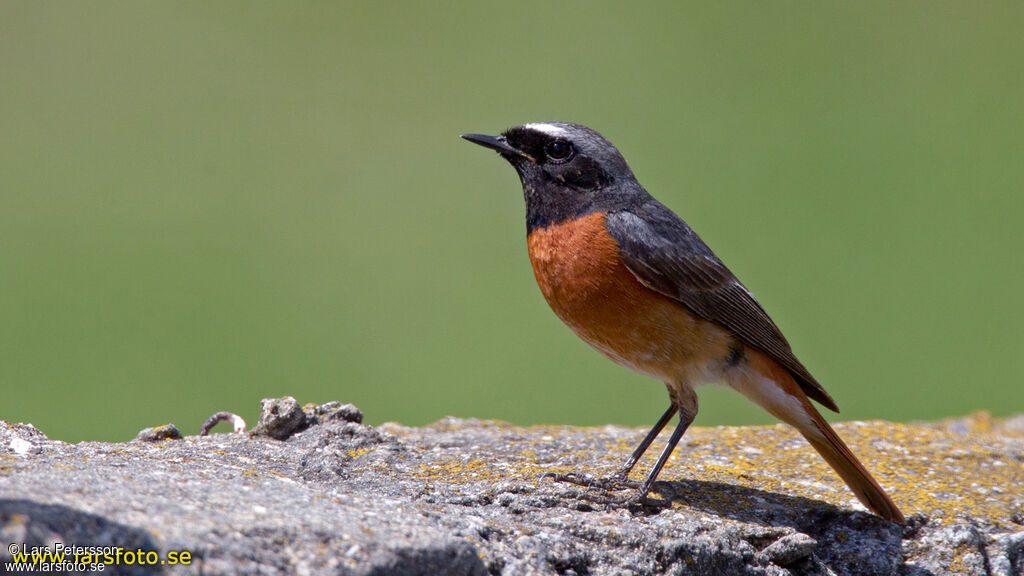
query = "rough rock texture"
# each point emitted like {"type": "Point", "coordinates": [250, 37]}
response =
{"type": "Point", "coordinates": [313, 491]}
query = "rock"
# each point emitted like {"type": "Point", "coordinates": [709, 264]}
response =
{"type": "Point", "coordinates": [319, 492]}
{"type": "Point", "coordinates": [791, 549]}
{"type": "Point", "coordinates": [159, 433]}
{"type": "Point", "coordinates": [333, 411]}
{"type": "Point", "coordinates": [280, 418]}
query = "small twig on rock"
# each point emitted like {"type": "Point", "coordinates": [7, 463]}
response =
{"type": "Point", "coordinates": [219, 417]}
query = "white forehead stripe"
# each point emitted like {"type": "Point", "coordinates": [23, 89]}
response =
{"type": "Point", "coordinates": [549, 129]}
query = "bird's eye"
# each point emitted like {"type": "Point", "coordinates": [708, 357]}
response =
{"type": "Point", "coordinates": [558, 150]}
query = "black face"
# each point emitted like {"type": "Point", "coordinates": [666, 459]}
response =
{"type": "Point", "coordinates": [567, 170]}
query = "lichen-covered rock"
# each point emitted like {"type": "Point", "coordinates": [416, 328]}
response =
{"type": "Point", "coordinates": [331, 495]}
{"type": "Point", "coordinates": [158, 433]}
{"type": "Point", "coordinates": [280, 418]}
{"type": "Point", "coordinates": [333, 411]}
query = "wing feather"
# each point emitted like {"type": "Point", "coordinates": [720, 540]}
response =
{"type": "Point", "coordinates": [667, 256]}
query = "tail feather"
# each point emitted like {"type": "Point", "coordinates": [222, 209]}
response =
{"type": "Point", "coordinates": [773, 388]}
{"type": "Point", "coordinates": [850, 469]}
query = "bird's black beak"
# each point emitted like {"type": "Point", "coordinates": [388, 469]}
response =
{"type": "Point", "coordinates": [497, 143]}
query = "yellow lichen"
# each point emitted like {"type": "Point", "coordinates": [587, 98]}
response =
{"type": "Point", "coordinates": [925, 469]}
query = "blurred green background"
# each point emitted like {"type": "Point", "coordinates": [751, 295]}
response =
{"type": "Point", "coordinates": [207, 203]}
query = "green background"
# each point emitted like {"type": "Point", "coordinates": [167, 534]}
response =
{"type": "Point", "coordinates": [207, 203]}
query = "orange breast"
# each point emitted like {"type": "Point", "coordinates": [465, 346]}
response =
{"type": "Point", "coordinates": [583, 279]}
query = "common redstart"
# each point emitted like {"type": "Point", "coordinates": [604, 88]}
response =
{"type": "Point", "coordinates": [635, 282]}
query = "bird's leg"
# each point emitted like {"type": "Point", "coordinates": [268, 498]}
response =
{"type": "Point", "coordinates": [685, 419]}
{"type": "Point", "coordinates": [685, 400]}
{"type": "Point", "coordinates": [620, 478]}
{"type": "Point", "coordinates": [623, 472]}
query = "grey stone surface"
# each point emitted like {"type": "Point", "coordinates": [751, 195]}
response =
{"type": "Point", "coordinates": [317, 492]}
{"type": "Point", "coordinates": [790, 549]}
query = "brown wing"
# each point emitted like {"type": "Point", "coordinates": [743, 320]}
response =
{"type": "Point", "coordinates": [667, 256]}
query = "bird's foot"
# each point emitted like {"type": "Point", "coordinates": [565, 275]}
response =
{"type": "Point", "coordinates": [608, 484]}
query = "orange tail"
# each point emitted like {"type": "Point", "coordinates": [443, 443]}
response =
{"type": "Point", "coordinates": [772, 387]}
{"type": "Point", "coordinates": [864, 486]}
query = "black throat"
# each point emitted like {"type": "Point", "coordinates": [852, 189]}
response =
{"type": "Point", "coordinates": [548, 203]}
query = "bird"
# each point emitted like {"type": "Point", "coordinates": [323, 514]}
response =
{"type": "Point", "coordinates": [636, 283]}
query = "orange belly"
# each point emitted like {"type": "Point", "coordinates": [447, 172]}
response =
{"type": "Point", "coordinates": [583, 279]}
